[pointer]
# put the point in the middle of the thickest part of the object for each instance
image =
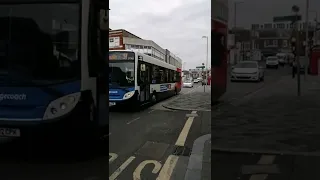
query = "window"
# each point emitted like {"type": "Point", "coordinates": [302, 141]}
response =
{"type": "Point", "coordinates": [275, 42]}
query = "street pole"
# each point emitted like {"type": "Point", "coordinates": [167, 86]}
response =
{"type": "Point", "coordinates": [307, 41]}
{"type": "Point", "coordinates": [297, 54]}
{"type": "Point", "coordinates": [207, 60]}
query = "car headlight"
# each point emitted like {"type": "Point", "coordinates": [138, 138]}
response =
{"type": "Point", "coordinates": [128, 95]}
{"type": "Point", "coordinates": [61, 106]}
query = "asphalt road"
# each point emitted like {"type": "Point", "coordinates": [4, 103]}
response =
{"type": "Point", "coordinates": [141, 142]}
{"type": "Point", "coordinates": [237, 90]}
{"type": "Point", "coordinates": [256, 137]}
{"type": "Point", "coordinates": [136, 141]}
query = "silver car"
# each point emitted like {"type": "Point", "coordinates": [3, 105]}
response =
{"type": "Point", "coordinates": [188, 83]}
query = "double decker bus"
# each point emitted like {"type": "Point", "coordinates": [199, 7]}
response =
{"type": "Point", "coordinates": [136, 79]}
{"type": "Point", "coordinates": [51, 54]}
{"type": "Point", "coordinates": [219, 31]}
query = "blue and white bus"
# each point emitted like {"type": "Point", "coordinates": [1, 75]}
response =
{"type": "Point", "coordinates": [136, 79]}
{"type": "Point", "coordinates": [51, 52]}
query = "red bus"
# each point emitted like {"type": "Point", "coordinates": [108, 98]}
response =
{"type": "Point", "coordinates": [179, 78]}
{"type": "Point", "coordinates": [219, 32]}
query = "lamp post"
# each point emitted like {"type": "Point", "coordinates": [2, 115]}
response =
{"type": "Point", "coordinates": [207, 54]}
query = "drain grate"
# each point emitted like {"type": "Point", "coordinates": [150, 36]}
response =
{"type": "Point", "coordinates": [182, 151]}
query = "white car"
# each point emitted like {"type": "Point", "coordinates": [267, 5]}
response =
{"type": "Point", "coordinates": [188, 83]}
{"type": "Point", "coordinates": [272, 61]}
{"type": "Point", "coordinates": [247, 71]}
{"type": "Point", "coordinates": [196, 80]}
{"type": "Point", "coordinates": [282, 58]}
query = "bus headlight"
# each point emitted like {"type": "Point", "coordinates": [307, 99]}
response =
{"type": "Point", "coordinates": [128, 95]}
{"type": "Point", "coordinates": [61, 106]}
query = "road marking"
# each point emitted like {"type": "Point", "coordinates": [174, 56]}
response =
{"type": "Point", "coordinates": [151, 111]}
{"type": "Point", "coordinates": [121, 168]}
{"type": "Point", "coordinates": [133, 120]}
{"type": "Point", "coordinates": [155, 170]}
{"type": "Point", "coordinates": [167, 169]}
{"type": "Point", "coordinates": [185, 131]}
{"type": "Point", "coordinates": [113, 157]}
{"type": "Point", "coordinates": [264, 160]}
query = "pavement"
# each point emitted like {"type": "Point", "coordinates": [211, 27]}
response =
{"type": "Point", "coordinates": [197, 99]}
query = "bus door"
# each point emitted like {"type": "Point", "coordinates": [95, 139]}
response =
{"type": "Point", "coordinates": [145, 81]}
{"type": "Point", "coordinates": [98, 28]}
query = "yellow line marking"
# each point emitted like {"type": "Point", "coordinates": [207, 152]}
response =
{"type": "Point", "coordinates": [121, 168]}
{"type": "Point", "coordinates": [167, 169]}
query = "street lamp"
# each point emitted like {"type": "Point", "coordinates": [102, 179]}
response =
{"type": "Point", "coordinates": [206, 37]}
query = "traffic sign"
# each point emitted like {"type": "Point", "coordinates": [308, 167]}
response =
{"type": "Point", "coordinates": [200, 67]}
{"type": "Point", "coordinates": [287, 18]}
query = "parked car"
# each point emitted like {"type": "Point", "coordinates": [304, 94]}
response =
{"type": "Point", "coordinates": [282, 58]}
{"type": "Point", "coordinates": [272, 61]}
{"type": "Point", "coordinates": [188, 83]}
{"type": "Point", "coordinates": [196, 80]}
{"type": "Point", "coordinates": [247, 71]}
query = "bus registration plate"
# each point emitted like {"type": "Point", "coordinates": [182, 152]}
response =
{"type": "Point", "coordinates": [9, 132]}
{"type": "Point", "coordinates": [112, 103]}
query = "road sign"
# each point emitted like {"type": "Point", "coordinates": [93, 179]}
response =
{"type": "Point", "coordinates": [200, 67]}
{"type": "Point", "coordinates": [286, 18]}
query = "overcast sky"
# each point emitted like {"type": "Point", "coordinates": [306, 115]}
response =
{"type": "Point", "coordinates": [262, 11]}
{"type": "Point", "coordinates": [177, 25]}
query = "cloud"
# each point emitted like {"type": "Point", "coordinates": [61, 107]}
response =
{"type": "Point", "coordinates": [177, 25]}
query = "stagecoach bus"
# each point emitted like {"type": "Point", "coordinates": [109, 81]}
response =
{"type": "Point", "coordinates": [51, 52]}
{"type": "Point", "coordinates": [136, 79]}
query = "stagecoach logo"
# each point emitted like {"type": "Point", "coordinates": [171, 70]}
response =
{"type": "Point", "coordinates": [16, 97]}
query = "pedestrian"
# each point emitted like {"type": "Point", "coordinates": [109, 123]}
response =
{"type": "Point", "coordinates": [294, 68]}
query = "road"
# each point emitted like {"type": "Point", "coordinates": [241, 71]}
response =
{"type": "Point", "coordinates": [141, 142]}
{"type": "Point", "coordinates": [136, 141]}
{"type": "Point", "coordinates": [265, 132]}
{"type": "Point", "coordinates": [237, 90]}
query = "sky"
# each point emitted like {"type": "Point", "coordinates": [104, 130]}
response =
{"type": "Point", "coordinates": [176, 25]}
{"type": "Point", "coordinates": [262, 11]}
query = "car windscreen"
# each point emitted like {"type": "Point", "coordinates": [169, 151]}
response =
{"type": "Point", "coordinates": [39, 43]}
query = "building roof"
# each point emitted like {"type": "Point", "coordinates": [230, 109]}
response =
{"type": "Point", "coordinates": [122, 30]}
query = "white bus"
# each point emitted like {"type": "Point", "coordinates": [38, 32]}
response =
{"type": "Point", "coordinates": [136, 79]}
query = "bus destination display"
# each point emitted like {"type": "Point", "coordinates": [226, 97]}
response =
{"type": "Point", "coordinates": [121, 56]}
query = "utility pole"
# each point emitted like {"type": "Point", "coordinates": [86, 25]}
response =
{"type": "Point", "coordinates": [307, 41]}
{"type": "Point", "coordinates": [296, 9]}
